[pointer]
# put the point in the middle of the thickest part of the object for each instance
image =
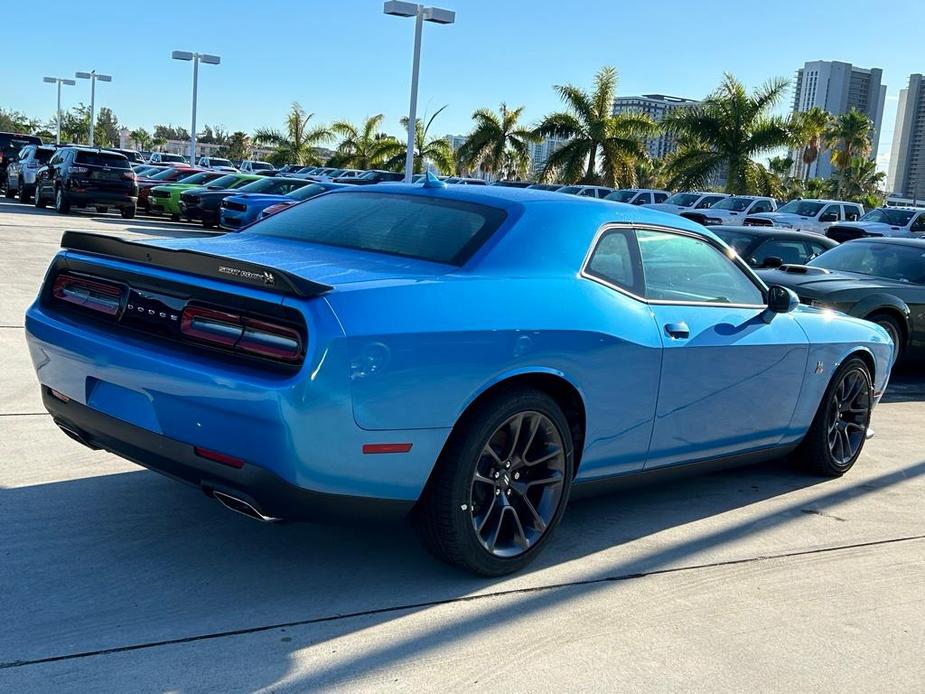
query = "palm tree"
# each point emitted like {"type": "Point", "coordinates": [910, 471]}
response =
{"type": "Point", "coordinates": [141, 138]}
{"type": "Point", "coordinates": [498, 143]}
{"type": "Point", "coordinates": [726, 132]}
{"type": "Point", "coordinates": [594, 134]}
{"type": "Point", "coordinates": [433, 150]}
{"type": "Point", "coordinates": [860, 180]}
{"type": "Point", "coordinates": [848, 136]}
{"type": "Point", "coordinates": [297, 144]}
{"type": "Point", "coordinates": [808, 130]}
{"type": "Point", "coordinates": [364, 146]}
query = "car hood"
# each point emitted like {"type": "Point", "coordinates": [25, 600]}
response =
{"type": "Point", "coordinates": [813, 282]}
{"type": "Point", "coordinates": [177, 187]}
{"type": "Point", "coordinates": [723, 214]}
{"type": "Point", "coordinates": [202, 191]}
{"type": "Point", "coordinates": [325, 264]}
{"type": "Point", "coordinates": [783, 218]}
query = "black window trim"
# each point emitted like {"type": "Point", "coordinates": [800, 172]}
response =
{"type": "Point", "coordinates": [633, 228]}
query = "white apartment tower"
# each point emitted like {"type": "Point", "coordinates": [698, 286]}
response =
{"type": "Point", "coordinates": [906, 177]}
{"type": "Point", "coordinates": [656, 106]}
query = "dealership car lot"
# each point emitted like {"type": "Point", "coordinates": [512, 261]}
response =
{"type": "Point", "coordinates": [117, 578]}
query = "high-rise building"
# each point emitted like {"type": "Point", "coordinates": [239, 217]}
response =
{"type": "Point", "coordinates": [906, 177]}
{"type": "Point", "coordinates": [656, 106]}
{"type": "Point", "coordinates": [837, 87]}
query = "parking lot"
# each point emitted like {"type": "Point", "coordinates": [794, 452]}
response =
{"type": "Point", "coordinates": [761, 578]}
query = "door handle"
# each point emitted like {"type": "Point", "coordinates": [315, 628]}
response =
{"type": "Point", "coordinates": [677, 331]}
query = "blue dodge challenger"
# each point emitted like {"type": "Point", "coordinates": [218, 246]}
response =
{"type": "Point", "coordinates": [469, 355]}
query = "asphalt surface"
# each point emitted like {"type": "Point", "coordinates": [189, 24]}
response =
{"type": "Point", "coordinates": [113, 578]}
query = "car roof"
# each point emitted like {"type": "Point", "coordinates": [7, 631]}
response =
{"type": "Point", "coordinates": [772, 232]}
{"type": "Point", "coordinates": [892, 240]}
{"type": "Point", "coordinates": [907, 208]}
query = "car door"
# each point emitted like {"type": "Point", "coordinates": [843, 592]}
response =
{"type": "Point", "coordinates": [829, 216]}
{"type": "Point", "coordinates": [730, 379]}
{"type": "Point", "coordinates": [760, 206]}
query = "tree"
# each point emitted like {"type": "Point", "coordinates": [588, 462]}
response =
{"type": "Point", "coordinates": [212, 136]}
{"type": "Point", "coordinates": [498, 143]}
{"type": "Point", "coordinates": [860, 181]}
{"type": "Point", "coordinates": [171, 132]}
{"type": "Point", "coordinates": [141, 138]}
{"type": "Point", "coordinates": [236, 146]}
{"type": "Point", "coordinates": [106, 130]}
{"type": "Point", "coordinates": [364, 146]}
{"type": "Point", "coordinates": [14, 121]}
{"type": "Point", "coordinates": [726, 132]}
{"type": "Point", "coordinates": [849, 137]}
{"type": "Point", "coordinates": [432, 150]}
{"type": "Point", "coordinates": [808, 129]}
{"type": "Point", "coordinates": [295, 145]}
{"type": "Point", "coordinates": [594, 135]}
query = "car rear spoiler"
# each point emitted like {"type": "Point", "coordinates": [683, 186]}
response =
{"type": "Point", "coordinates": [195, 263]}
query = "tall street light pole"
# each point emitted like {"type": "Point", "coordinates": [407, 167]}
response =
{"type": "Point", "coordinates": [195, 58]}
{"type": "Point", "coordinates": [59, 81]}
{"type": "Point", "coordinates": [93, 76]}
{"type": "Point", "coordinates": [421, 14]}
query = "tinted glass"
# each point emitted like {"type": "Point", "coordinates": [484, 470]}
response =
{"type": "Point", "coordinates": [197, 178]}
{"type": "Point", "coordinates": [571, 190]}
{"type": "Point", "coordinates": [739, 241]}
{"type": "Point", "coordinates": [272, 185]}
{"type": "Point", "coordinates": [227, 182]}
{"type": "Point", "coordinates": [43, 154]}
{"type": "Point", "coordinates": [899, 218]}
{"type": "Point", "coordinates": [905, 263]}
{"type": "Point", "coordinates": [261, 165]}
{"type": "Point", "coordinates": [791, 252]}
{"type": "Point", "coordinates": [660, 197]}
{"type": "Point", "coordinates": [219, 162]}
{"type": "Point", "coordinates": [852, 213]}
{"type": "Point", "coordinates": [804, 208]}
{"type": "Point", "coordinates": [170, 174]}
{"type": "Point", "coordinates": [762, 206]}
{"type": "Point", "coordinates": [919, 224]}
{"type": "Point", "coordinates": [14, 143]}
{"type": "Point", "coordinates": [307, 191]}
{"type": "Point", "coordinates": [682, 268]}
{"type": "Point", "coordinates": [115, 161]}
{"type": "Point", "coordinates": [683, 199]}
{"type": "Point", "coordinates": [613, 262]}
{"type": "Point", "coordinates": [709, 201]}
{"type": "Point", "coordinates": [734, 204]}
{"type": "Point", "coordinates": [171, 157]}
{"type": "Point", "coordinates": [621, 195]}
{"type": "Point", "coordinates": [442, 231]}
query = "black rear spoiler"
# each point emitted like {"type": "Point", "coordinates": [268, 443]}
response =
{"type": "Point", "coordinates": [195, 263]}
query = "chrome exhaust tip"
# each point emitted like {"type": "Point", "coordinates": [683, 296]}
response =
{"type": "Point", "coordinates": [237, 505]}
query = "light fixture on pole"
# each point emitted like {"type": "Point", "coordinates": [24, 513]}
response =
{"type": "Point", "coordinates": [59, 81]}
{"type": "Point", "coordinates": [195, 58]}
{"type": "Point", "coordinates": [93, 76]}
{"type": "Point", "coordinates": [422, 14]}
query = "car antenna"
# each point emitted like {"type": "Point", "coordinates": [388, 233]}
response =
{"type": "Point", "coordinates": [431, 181]}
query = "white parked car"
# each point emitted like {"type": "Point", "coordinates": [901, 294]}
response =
{"type": "Point", "coordinates": [638, 196]}
{"type": "Point", "coordinates": [808, 215]}
{"type": "Point", "coordinates": [167, 158]}
{"type": "Point", "coordinates": [732, 210]}
{"type": "Point", "coordinates": [217, 164]}
{"type": "Point", "coordinates": [254, 166]}
{"type": "Point", "coordinates": [884, 221]}
{"type": "Point", "coordinates": [683, 202]}
{"type": "Point", "coordinates": [586, 191]}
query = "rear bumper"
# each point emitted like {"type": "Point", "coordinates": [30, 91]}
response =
{"type": "Point", "coordinates": [94, 197]}
{"type": "Point", "coordinates": [270, 494]}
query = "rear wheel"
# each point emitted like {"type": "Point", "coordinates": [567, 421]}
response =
{"type": "Point", "coordinates": [207, 224]}
{"type": "Point", "coordinates": [174, 217]}
{"type": "Point", "coordinates": [62, 206]}
{"type": "Point", "coordinates": [128, 212]}
{"type": "Point", "coordinates": [501, 484]}
{"type": "Point", "coordinates": [39, 200]}
{"type": "Point", "coordinates": [839, 430]}
{"type": "Point", "coordinates": [893, 327]}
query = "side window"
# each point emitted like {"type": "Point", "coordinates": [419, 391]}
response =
{"type": "Point", "coordinates": [587, 192]}
{"type": "Point", "coordinates": [680, 268]}
{"type": "Point", "coordinates": [661, 197]}
{"type": "Point", "coordinates": [832, 213]}
{"type": "Point", "coordinates": [817, 249]}
{"type": "Point", "coordinates": [641, 199]}
{"type": "Point", "coordinates": [614, 260]}
{"type": "Point", "coordinates": [852, 213]}
{"type": "Point", "coordinates": [789, 252]}
{"type": "Point", "coordinates": [708, 201]}
{"type": "Point", "coordinates": [603, 193]}
{"type": "Point", "coordinates": [24, 153]}
{"type": "Point", "coordinates": [919, 224]}
{"type": "Point", "coordinates": [761, 206]}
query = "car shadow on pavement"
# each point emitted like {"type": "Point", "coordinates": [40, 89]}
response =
{"type": "Point", "coordinates": [907, 383]}
{"type": "Point", "coordinates": [133, 558]}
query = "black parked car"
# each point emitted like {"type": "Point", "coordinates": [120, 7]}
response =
{"type": "Point", "coordinates": [880, 279]}
{"type": "Point", "coordinates": [10, 144]}
{"type": "Point", "coordinates": [130, 154]}
{"type": "Point", "coordinates": [204, 203]}
{"type": "Point", "coordinates": [767, 247]}
{"type": "Point", "coordinates": [370, 177]}
{"type": "Point", "coordinates": [85, 177]}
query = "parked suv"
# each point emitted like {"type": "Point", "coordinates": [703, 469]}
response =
{"type": "Point", "coordinates": [686, 201]}
{"type": "Point", "coordinates": [20, 174]}
{"type": "Point", "coordinates": [808, 215]}
{"type": "Point", "coordinates": [732, 210]}
{"type": "Point", "coordinates": [586, 191]}
{"type": "Point", "coordinates": [133, 156]}
{"type": "Point", "coordinates": [85, 177]}
{"type": "Point", "coordinates": [883, 221]}
{"type": "Point", "coordinates": [167, 158]}
{"type": "Point", "coordinates": [10, 144]}
{"type": "Point", "coordinates": [638, 196]}
{"type": "Point", "coordinates": [216, 164]}
{"type": "Point", "coordinates": [254, 166]}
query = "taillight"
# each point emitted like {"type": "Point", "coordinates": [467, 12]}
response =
{"type": "Point", "coordinates": [241, 333]}
{"type": "Point", "coordinates": [101, 297]}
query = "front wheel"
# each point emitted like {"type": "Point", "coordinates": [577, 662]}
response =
{"type": "Point", "coordinates": [128, 212]}
{"type": "Point", "coordinates": [62, 206]}
{"type": "Point", "coordinates": [501, 484]}
{"type": "Point", "coordinates": [893, 328]}
{"type": "Point", "coordinates": [837, 435]}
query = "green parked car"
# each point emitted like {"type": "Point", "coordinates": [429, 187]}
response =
{"type": "Point", "coordinates": [165, 199]}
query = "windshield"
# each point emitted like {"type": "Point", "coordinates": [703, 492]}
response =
{"type": "Point", "coordinates": [172, 157]}
{"type": "Point", "coordinates": [227, 181]}
{"type": "Point", "coordinates": [214, 161]}
{"type": "Point", "coordinates": [415, 226]}
{"type": "Point", "coordinates": [167, 174]}
{"type": "Point", "coordinates": [895, 261]}
{"type": "Point", "coordinates": [307, 191]}
{"type": "Point", "coordinates": [683, 199]}
{"type": "Point", "coordinates": [734, 204]}
{"type": "Point", "coordinates": [803, 208]}
{"type": "Point", "coordinates": [272, 185]}
{"type": "Point", "coordinates": [196, 178]}
{"type": "Point", "coordinates": [622, 195]}
{"type": "Point", "coordinates": [896, 218]}
{"type": "Point", "coordinates": [261, 165]}
{"type": "Point", "coordinates": [738, 241]}
{"type": "Point", "coordinates": [43, 154]}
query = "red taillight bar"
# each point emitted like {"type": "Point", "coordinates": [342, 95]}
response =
{"type": "Point", "coordinates": [96, 296]}
{"type": "Point", "coordinates": [217, 457]}
{"type": "Point", "coordinates": [241, 333]}
{"type": "Point", "coordinates": [373, 448]}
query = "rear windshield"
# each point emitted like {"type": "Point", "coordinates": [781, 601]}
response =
{"type": "Point", "coordinates": [172, 157]}
{"type": "Point", "coordinates": [115, 161]}
{"type": "Point", "coordinates": [261, 165]}
{"type": "Point", "coordinates": [43, 154]}
{"type": "Point", "coordinates": [17, 142]}
{"type": "Point", "coordinates": [307, 191]}
{"type": "Point", "coordinates": [219, 162]}
{"type": "Point", "coordinates": [441, 231]}
{"type": "Point", "coordinates": [273, 185]}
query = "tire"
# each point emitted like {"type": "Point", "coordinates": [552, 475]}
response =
{"type": "Point", "coordinates": [25, 196]}
{"type": "Point", "coordinates": [39, 200]}
{"type": "Point", "coordinates": [836, 437]}
{"type": "Point", "coordinates": [8, 192]}
{"type": "Point", "coordinates": [206, 224]}
{"type": "Point", "coordinates": [128, 212]}
{"type": "Point", "coordinates": [102, 209]}
{"type": "Point", "coordinates": [62, 206]}
{"type": "Point", "coordinates": [174, 218]}
{"type": "Point", "coordinates": [468, 478]}
{"type": "Point", "coordinates": [892, 325]}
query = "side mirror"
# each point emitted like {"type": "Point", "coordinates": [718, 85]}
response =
{"type": "Point", "coordinates": [780, 300]}
{"type": "Point", "coordinates": [771, 262]}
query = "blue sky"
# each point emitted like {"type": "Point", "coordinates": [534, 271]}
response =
{"type": "Point", "coordinates": [345, 59]}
